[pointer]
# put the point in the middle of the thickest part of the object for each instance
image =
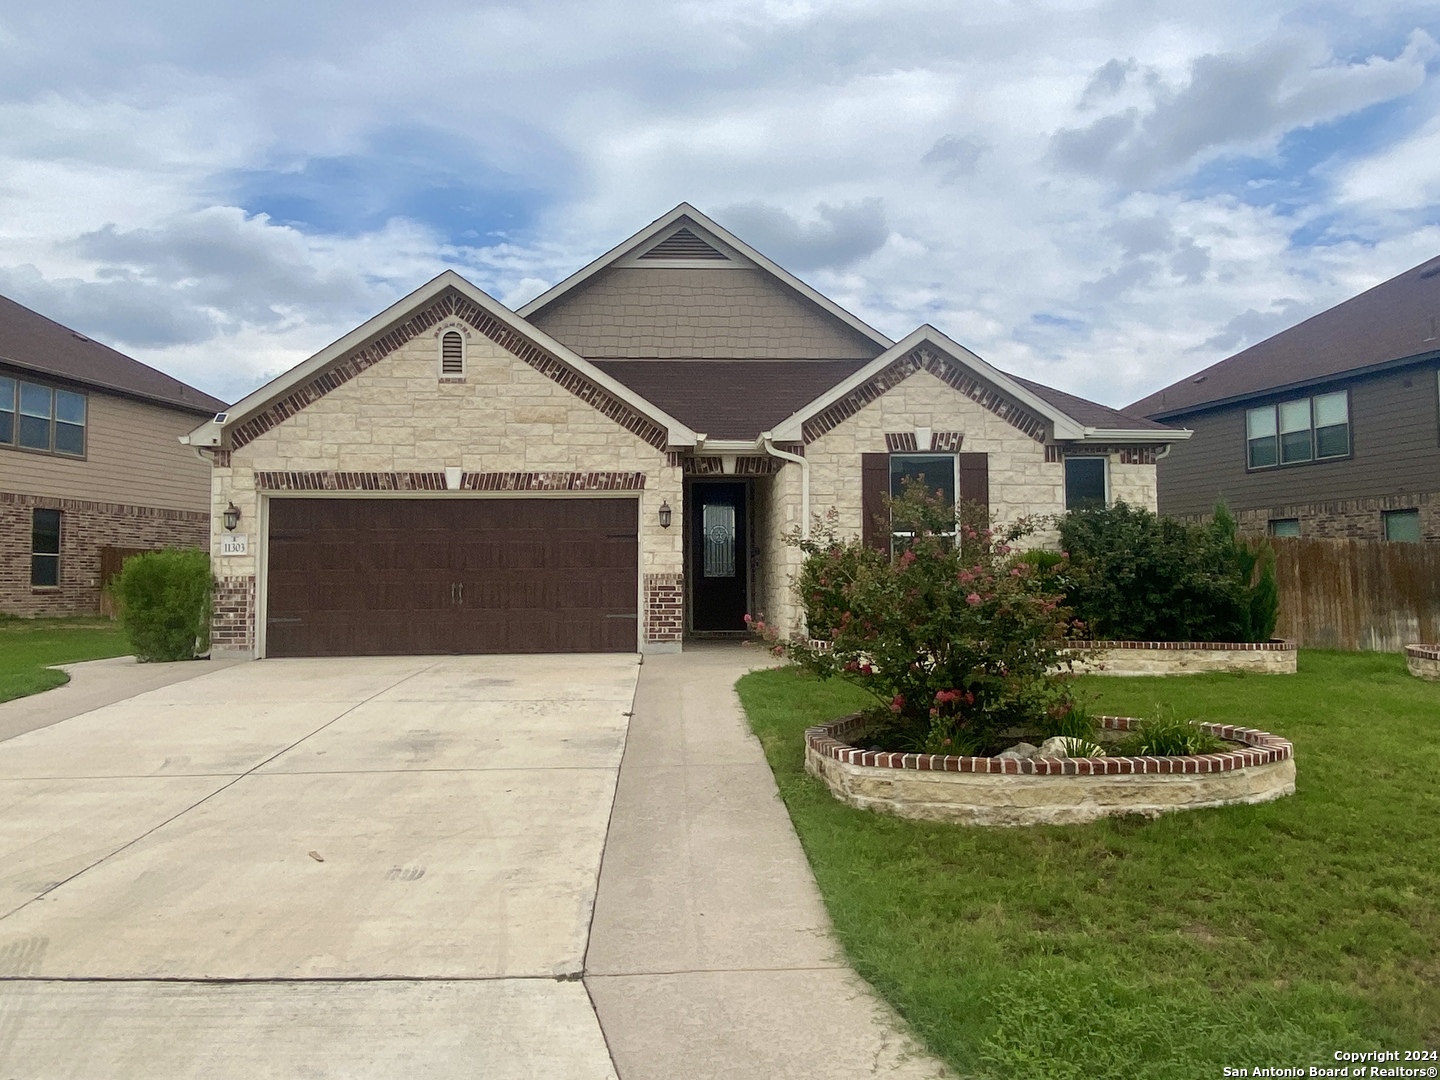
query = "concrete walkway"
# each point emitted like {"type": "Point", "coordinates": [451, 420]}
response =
{"type": "Point", "coordinates": [711, 955]}
{"type": "Point", "coordinates": [94, 684]}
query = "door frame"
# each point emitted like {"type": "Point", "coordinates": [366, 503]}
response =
{"type": "Point", "coordinates": [262, 558]}
{"type": "Point", "coordinates": [751, 551]}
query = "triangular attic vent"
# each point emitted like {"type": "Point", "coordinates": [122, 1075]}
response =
{"type": "Point", "coordinates": [684, 244]}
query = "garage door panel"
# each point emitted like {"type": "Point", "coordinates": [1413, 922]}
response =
{"type": "Point", "coordinates": [403, 576]}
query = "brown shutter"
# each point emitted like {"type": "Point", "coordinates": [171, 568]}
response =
{"type": "Point", "coordinates": [874, 486]}
{"type": "Point", "coordinates": [975, 479]}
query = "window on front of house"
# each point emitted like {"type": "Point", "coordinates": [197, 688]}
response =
{"type": "Point", "coordinates": [7, 410]}
{"type": "Point", "coordinates": [935, 471]}
{"type": "Point", "coordinates": [1285, 527]}
{"type": "Point", "coordinates": [1402, 526]}
{"type": "Point", "coordinates": [1293, 432]}
{"type": "Point", "coordinates": [44, 548]}
{"type": "Point", "coordinates": [1084, 482]}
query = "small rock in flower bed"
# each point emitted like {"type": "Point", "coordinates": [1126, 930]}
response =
{"type": "Point", "coordinates": [1056, 746]}
{"type": "Point", "coordinates": [1023, 751]}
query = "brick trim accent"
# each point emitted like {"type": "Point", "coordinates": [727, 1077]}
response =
{"type": "Point", "coordinates": [664, 607]}
{"type": "Point", "coordinates": [232, 613]}
{"type": "Point", "coordinates": [1129, 455]}
{"type": "Point", "coordinates": [553, 481]}
{"type": "Point", "coordinates": [953, 375]}
{"type": "Point", "coordinates": [1261, 748]}
{"type": "Point", "coordinates": [349, 481]}
{"type": "Point", "coordinates": [1423, 652]}
{"type": "Point", "coordinates": [157, 513]}
{"type": "Point", "coordinates": [941, 442]}
{"type": "Point", "coordinates": [744, 466]}
{"type": "Point", "coordinates": [1203, 646]}
{"type": "Point", "coordinates": [449, 303]}
{"type": "Point", "coordinates": [434, 481]}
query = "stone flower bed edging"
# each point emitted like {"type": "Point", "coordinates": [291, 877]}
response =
{"type": "Point", "coordinates": [1048, 791]}
{"type": "Point", "coordinates": [1186, 657]}
{"type": "Point", "coordinates": [1423, 661]}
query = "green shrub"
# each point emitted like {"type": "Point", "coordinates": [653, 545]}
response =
{"type": "Point", "coordinates": [953, 636]}
{"type": "Point", "coordinates": [165, 604]}
{"type": "Point", "coordinates": [1165, 734]}
{"type": "Point", "coordinates": [1135, 576]}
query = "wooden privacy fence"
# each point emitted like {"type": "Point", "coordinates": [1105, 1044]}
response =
{"type": "Point", "coordinates": [111, 560]}
{"type": "Point", "coordinates": [1357, 594]}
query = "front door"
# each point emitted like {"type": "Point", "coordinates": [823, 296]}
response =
{"type": "Point", "coordinates": [718, 556]}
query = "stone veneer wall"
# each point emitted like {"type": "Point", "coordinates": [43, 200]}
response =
{"type": "Point", "coordinates": [85, 528]}
{"type": "Point", "coordinates": [1423, 661]}
{"type": "Point", "coordinates": [396, 417]}
{"type": "Point", "coordinates": [1186, 657]}
{"type": "Point", "coordinates": [1024, 480]}
{"type": "Point", "coordinates": [1052, 791]}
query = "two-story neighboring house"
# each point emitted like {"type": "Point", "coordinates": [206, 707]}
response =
{"type": "Point", "coordinates": [90, 461]}
{"type": "Point", "coordinates": [1328, 429]}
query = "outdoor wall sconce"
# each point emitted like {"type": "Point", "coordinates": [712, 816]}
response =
{"type": "Point", "coordinates": [665, 515]}
{"type": "Point", "coordinates": [232, 517]}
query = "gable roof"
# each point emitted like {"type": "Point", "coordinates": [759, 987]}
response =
{"type": "Point", "coordinates": [1013, 399]}
{"type": "Point", "coordinates": [1393, 323]}
{"type": "Point", "coordinates": [30, 341]}
{"type": "Point", "coordinates": [370, 342]}
{"type": "Point", "coordinates": [698, 226]}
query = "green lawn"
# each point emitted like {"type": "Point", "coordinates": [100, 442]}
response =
{"type": "Point", "coordinates": [29, 646]}
{"type": "Point", "coordinates": [1247, 936]}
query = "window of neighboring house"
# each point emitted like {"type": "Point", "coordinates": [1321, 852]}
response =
{"type": "Point", "coordinates": [1402, 525]}
{"type": "Point", "coordinates": [45, 548]}
{"type": "Point", "coordinates": [1284, 526]}
{"type": "Point", "coordinates": [1306, 429]}
{"type": "Point", "coordinates": [38, 417]}
{"type": "Point", "coordinates": [452, 355]}
{"type": "Point", "coordinates": [935, 471]}
{"type": "Point", "coordinates": [7, 410]}
{"type": "Point", "coordinates": [1085, 482]}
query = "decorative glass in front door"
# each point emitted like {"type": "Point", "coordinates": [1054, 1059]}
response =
{"type": "Point", "coordinates": [719, 525]}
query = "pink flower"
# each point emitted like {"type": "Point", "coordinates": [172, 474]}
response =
{"type": "Point", "coordinates": [866, 669]}
{"type": "Point", "coordinates": [907, 558]}
{"type": "Point", "coordinates": [934, 713]}
{"type": "Point", "coordinates": [966, 577]}
{"type": "Point", "coordinates": [897, 703]}
{"type": "Point", "coordinates": [747, 617]}
{"type": "Point", "coordinates": [973, 599]}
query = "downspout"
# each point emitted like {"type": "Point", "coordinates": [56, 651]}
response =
{"type": "Point", "coordinates": [785, 455]}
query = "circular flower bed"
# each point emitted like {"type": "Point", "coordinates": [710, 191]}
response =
{"type": "Point", "coordinates": [1007, 791]}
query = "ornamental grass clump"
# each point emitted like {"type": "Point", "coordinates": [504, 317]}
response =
{"type": "Point", "coordinates": [957, 638]}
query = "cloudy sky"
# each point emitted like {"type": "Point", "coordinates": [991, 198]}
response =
{"type": "Point", "coordinates": [1102, 196]}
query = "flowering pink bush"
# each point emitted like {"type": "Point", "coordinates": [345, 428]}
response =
{"type": "Point", "coordinates": [957, 636]}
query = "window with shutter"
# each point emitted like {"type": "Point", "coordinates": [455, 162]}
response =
{"type": "Point", "coordinates": [452, 355]}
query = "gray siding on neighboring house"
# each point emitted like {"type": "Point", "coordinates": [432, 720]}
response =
{"type": "Point", "coordinates": [628, 312]}
{"type": "Point", "coordinates": [1395, 442]}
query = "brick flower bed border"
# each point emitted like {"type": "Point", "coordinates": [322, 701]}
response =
{"type": "Point", "coordinates": [1186, 657]}
{"type": "Point", "coordinates": [1423, 661]}
{"type": "Point", "coordinates": [992, 791]}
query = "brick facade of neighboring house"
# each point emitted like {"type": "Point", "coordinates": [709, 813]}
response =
{"type": "Point", "coordinates": [676, 403]}
{"type": "Point", "coordinates": [122, 483]}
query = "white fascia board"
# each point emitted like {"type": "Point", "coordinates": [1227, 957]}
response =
{"type": "Point", "coordinates": [678, 433]}
{"type": "Point", "coordinates": [729, 239]}
{"type": "Point", "coordinates": [1065, 427]}
{"type": "Point", "coordinates": [1135, 435]}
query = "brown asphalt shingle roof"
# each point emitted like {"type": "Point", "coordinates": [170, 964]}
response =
{"type": "Point", "coordinates": [1089, 413]}
{"type": "Point", "coordinates": [1394, 321]}
{"type": "Point", "coordinates": [29, 340]}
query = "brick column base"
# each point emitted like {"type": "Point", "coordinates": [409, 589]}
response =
{"type": "Point", "coordinates": [232, 617]}
{"type": "Point", "coordinates": [664, 611]}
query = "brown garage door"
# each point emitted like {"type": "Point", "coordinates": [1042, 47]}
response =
{"type": "Point", "coordinates": [370, 577]}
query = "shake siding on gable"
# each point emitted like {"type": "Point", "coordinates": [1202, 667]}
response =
{"type": "Point", "coordinates": [1395, 441]}
{"type": "Point", "coordinates": [133, 457]}
{"type": "Point", "coordinates": [641, 312]}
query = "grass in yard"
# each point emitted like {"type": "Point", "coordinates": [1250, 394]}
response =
{"type": "Point", "coordinates": [29, 646]}
{"type": "Point", "coordinates": [1248, 936]}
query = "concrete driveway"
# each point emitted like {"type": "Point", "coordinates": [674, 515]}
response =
{"type": "Point", "coordinates": [313, 868]}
